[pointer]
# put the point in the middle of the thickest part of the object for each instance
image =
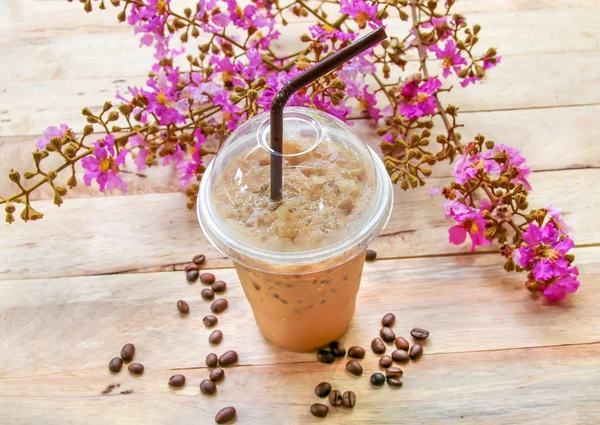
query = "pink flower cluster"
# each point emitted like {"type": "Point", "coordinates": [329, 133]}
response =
{"type": "Point", "coordinates": [469, 222]}
{"type": "Point", "coordinates": [103, 165]}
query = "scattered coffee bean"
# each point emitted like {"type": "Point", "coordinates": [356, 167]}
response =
{"type": "Point", "coordinates": [377, 379]}
{"type": "Point", "coordinates": [319, 410]}
{"type": "Point", "coordinates": [402, 344]}
{"type": "Point", "coordinates": [219, 306]}
{"type": "Point", "coordinates": [212, 360]}
{"type": "Point", "coordinates": [356, 352]}
{"type": "Point", "coordinates": [378, 346]}
{"type": "Point", "coordinates": [400, 356]}
{"type": "Point", "coordinates": [349, 399]}
{"type": "Point", "coordinates": [207, 294]}
{"type": "Point", "coordinates": [115, 365]}
{"type": "Point", "coordinates": [335, 398]}
{"type": "Point", "coordinates": [416, 351]}
{"type": "Point", "coordinates": [183, 307]}
{"type": "Point", "coordinates": [228, 358]}
{"type": "Point", "coordinates": [388, 319]}
{"type": "Point", "coordinates": [419, 333]}
{"type": "Point", "coordinates": [199, 259]}
{"type": "Point", "coordinates": [177, 381]}
{"type": "Point", "coordinates": [394, 371]}
{"type": "Point", "coordinates": [354, 368]}
{"type": "Point", "coordinates": [192, 275]}
{"type": "Point", "coordinates": [219, 286]}
{"type": "Point", "coordinates": [370, 255]}
{"type": "Point", "coordinates": [325, 356]}
{"type": "Point", "coordinates": [323, 389]}
{"type": "Point", "coordinates": [386, 361]}
{"type": "Point", "coordinates": [136, 368]}
{"type": "Point", "coordinates": [217, 375]}
{"type": "Point", "coordinates": [337, 349]}
{"type": "Point", "coordinates": [189, 267]}
{"type": "Point", "coordinates": [225, 415]}
{"type": "Point", "coordinates": [210, 321]}
{"type": "Point", "coordinates": [215, 337]}
{"type": "Point", "coordinates": [207, 278]}
{"type": "Point", "coordinates": [127, 352]}
{"type": "Point", "coordinates": [208, 387]}
{"type": "Point", "coordinates": [387, 334]}
{"type": "Point", "coordinates": [394, 381]}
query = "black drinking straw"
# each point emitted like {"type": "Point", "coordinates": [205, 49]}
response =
{"type": "Point", "coordinates": [316, 71]}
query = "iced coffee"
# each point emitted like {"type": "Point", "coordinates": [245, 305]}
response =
{"type": "Point", "coordinates": [300, 259]}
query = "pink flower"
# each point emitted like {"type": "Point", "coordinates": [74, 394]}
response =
{"type": "Point", "coordinates": [545, 249]}
{"type": "Point", "coordinates": [468, 166]}
{"type": "Point", "coordinates": [163, 97]}
{"type": "Point", "coordinates": [326, 32]}
{"type": "Point", "coordinates": [451, 57]}
{"type": "Point", "coordinates": [556, 216]}
{"type": "Point", "coordinates": [231, 112]}
{"type": "Point", "coordinates": [227, 70]}
{"type": "Point", "coordinates": [469, 80]}
{"type": "Point", "coordinates": [103, 167]}
{"type": "Point", "coordinates": [368, 102]}
{"type": "Point", "coordinates": [140, 158]}
{"type": "Point", "coordinates": [50, 133]}
{"type": "Point", "coordinates": [507, 157]}
{"type": "Point", "coordinates": [470, 221]}
{"type": "Point", "coordinates": [437, 24]}
{"type": "Point", "coordinates": [418, 98]}
{"type": "Point", "coordinates": [487, 63]}
{"type": "Point", "coordinates": [361, 12]}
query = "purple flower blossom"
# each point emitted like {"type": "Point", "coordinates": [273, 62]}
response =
{"type": "Point", "coordinates": [231, 112]}
{"type": "Point", "coordinates": [451, 57]}
{"type": "Point", "coordinates": [437, 24]}
{"type": "Point", "coordinates": [470, 221]}
{"type": "Point", "coordinates": [556, 216]}
{"type": "Point", "coordinates": [487, 64]}
{"type": "Point", "coordinates": [469, 80]}
{"type": "Point", "coordinates": [103, 166]}
{"type": "Point", "coordinates": [368, 102]}
{"type": "Point", "coordinates": [418, 98]}
{"type": "Point", "coordinates": [325, 32]}
{"type": "Point", "coordinates": [50, 133]}
{"type": "Point", "coordinates": [468, 166]}
{"type": "Point", "coordinates": [163, 97]}
{"type": "Point", "coordinates": [507, 157]}
{"type": "Point", "coordinates": [227, 70]}
{"type": "Point", "coordinates": [362, 12]}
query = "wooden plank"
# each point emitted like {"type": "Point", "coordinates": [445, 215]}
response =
{"type": "Point", "coordinates": [111, 230]}
{"type": "Point", "coordinates": [70, 325]}
{"type": "Point", "coordinates": [555, 128]}
{"type": "Point", "coordinates": [541, 80]}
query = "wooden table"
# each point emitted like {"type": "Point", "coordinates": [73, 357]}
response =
{"type": "Point", "coordinates": [105, 270]}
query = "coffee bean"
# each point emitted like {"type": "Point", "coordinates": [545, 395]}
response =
{"type": "Point", "coordinates": [207, 294]}
{"type": "Point", "coordinates": [212, 360]}
{"type": "Point", "coordinates": [183, 307]}
{"type": "Point", "coordinates": [385, 361]}
{"type": "Point", "coordinates": [349, 399]}
{"type": "Point", "coordinates": [400, 356]}
{"type": "Point", "coordinates": [190, 267]}
{"type": "Point", "coordinates": [394, 371]}
{"type": "Point", "coordinates": [388, 319]}
{"type": "Point", "coordinates": [387, 334]}
{"type": "Point", "coordinates": [378, 346]}
{"type": "Point", "coordinates": [210, 321]}
{"type": "Point", "coordinates": [394, 381]}
{"type": "Point", "coordinates": [177, 381]}
{"type": "Point", "coordinates": [115, 365]}
{"type": "Point", "coordinates": [208, 387]}
{"type": "Point", "coordinates": [402, 344]}
{"type": "Point", "coordinates": [337, 349]}
{"type": "Point", "coordinates": [199, 259]}
{"type": "Point", "coordinates": [319, 410]}
{"type": "Point", "coordinates": [225, 415]}
{"type": "Point", "coordinates": [207, 278]}
{"type": "Point", "coordinates": [215, 337]}
{"type": "Point", "coordinates": [377, 379]}
{"type": "Point", "coordinates": [323, 389]}
{"type": "Point", "coordinates": [416, 351]}
{"type": "Point", "coordinates": [219, 286]}
{"type": "Point", "coordinates": [136, 368]}
{"type": "Point", "coordinates": [370, 255]}
{"type": "Point", "coordinates": [354, 368]}
{"type": "Point", "coordinates": [228, 358]}
{"type": "Point", "coordinates": [335, 398]}
{"type": "Point", "coordinates": [127, 352]}
{"type": "Point", "coordinates": [325, 356]}
{"type": "Point", "coordinates": [419, 333]}
{"type": "Point", "coordinates": [217, 375]}
{"type": "Point", "coordinates": [219, 306]}
{"type": "Point", "coordinates": [192, 275]}
{"type": "Point", "coordinates": [356, 352]}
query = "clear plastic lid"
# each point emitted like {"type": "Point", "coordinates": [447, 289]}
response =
{"type": "Point", "coordinates": [336, 193]}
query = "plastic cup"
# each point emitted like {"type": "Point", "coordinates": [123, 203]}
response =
{"type": "Point", "coordinates": [303, 289]}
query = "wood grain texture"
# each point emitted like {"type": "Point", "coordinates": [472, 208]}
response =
{"type": "Point", "coordinates": [110, 231]}
{"type": "Point", "coordinates": [469, 303]}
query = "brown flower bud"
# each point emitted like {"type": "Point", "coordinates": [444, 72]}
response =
{"type": "Point", "coordinates": [195, 32]}
{"type": "Point", "coordinates": [187, 12]}
{"type": "Point", "coordinates": [337, 84]}
{"type": "Point", "coordinates": [305, 38]}
{"type": "Point", "coordinates": [463, 73]}
{"type": "Point", "coordinates": [184, 37]}
{"type": "Point", "coordinates": [461, 45]}
{"type": "Point", "coordinates": [52, 174]}
{"type": "Point", "coordinates": [14, 176]}
{"type": "Point", "coordinates": [57, 199]}
{"type": "Point", "coordinates": [570, 258]}
{"type": "Point", "coordinates": [403, 15]}
{"type": "Point", "coordinates": [87, 6]}
{"type": "Point", "coordinates": [115, 3]}
{"type": "Point", "coordinates": [113, 116]}
{"type": "Point", "coordinates": [252, 95]}
{"type": "Point", "coordinates": [404, 184]}
{"type": "Point", "coordinates": [476, 28]}
{"type": "Point", "coordinates": [70, 150]}
{"type": "Point", "coordinates": [490, 233]}
{"type": "Point", "coordinates": [122, 16]}
{"type": "Point", "coordinates": [382, 14]}
{"type": "Point", "coordinates": [9, 208]}
{"type": "Point", "coordinates": [479, 71]}
{"type": "Point", "coordinates": [55, 144]}
{"type": "Point", "coordinates": [28, 175]}
{"type": "Point", "coordinates": [72, 182]}
{"type": "Point", "coordinates": [106, 106]}
{"type": "Point", "coordinates": [509, 266]}
{"type": "Point", "coordinates": [86, 112]}
{"type": "Point", "coordinates": [489, 144]}
{"type": "Point", "coordinates": [10, 218]}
